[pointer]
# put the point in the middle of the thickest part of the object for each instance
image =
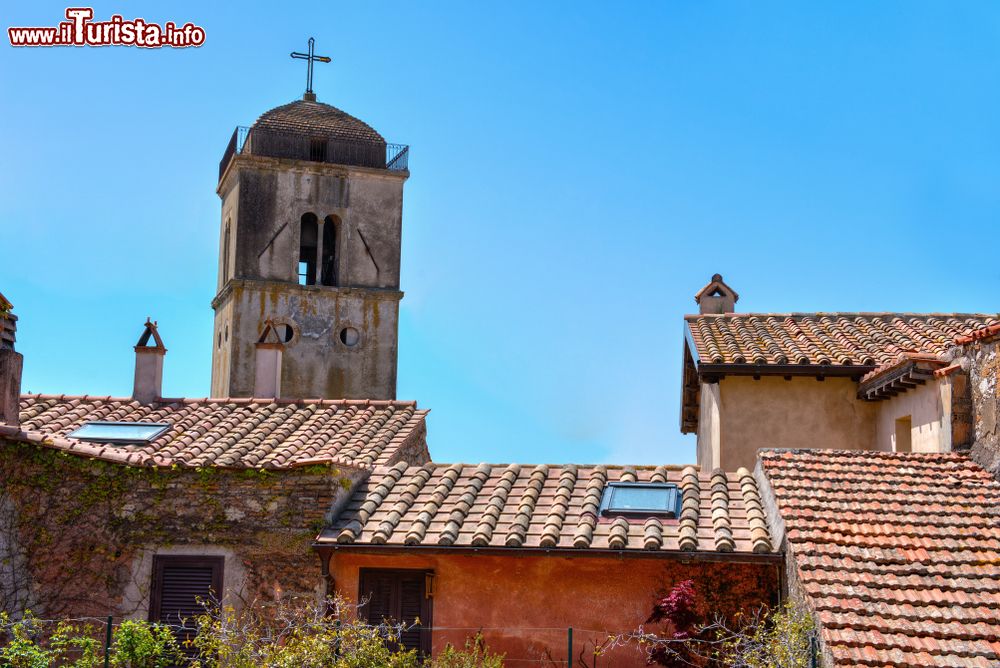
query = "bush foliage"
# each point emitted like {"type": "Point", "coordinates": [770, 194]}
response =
{"type": "Point", "coordinates": [290, 635]}
{"type": "Point", "coordinates": [296, 634]}
{"type": "Point", "coordinates": [779, 638]}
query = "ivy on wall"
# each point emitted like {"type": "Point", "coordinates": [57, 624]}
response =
{"type": "Point", "coordinates": [73, 529]}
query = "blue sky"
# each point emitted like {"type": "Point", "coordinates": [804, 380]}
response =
{"type": "Point", "coordinates": [579, 170]}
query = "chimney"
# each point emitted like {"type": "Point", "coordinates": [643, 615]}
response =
{"type": "Point", "coordinates": [716, 297]}
{"type": "Point", "coordinates": [148, 384]}
{"type": "Point", "coordinates": [267, 374]}
{"type": "Point", "coordinates": [11, 363]}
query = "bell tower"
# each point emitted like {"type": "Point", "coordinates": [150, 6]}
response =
{"type": "Point", "coordinates": [309, 247]}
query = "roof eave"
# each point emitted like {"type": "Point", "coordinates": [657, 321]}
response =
{"type": "Point", "coordinates": [714, 372]}
{"type": "Point", "coordinates": [690, 400]}
{"type": "Point", "coordinates": [330, 547]}
{"type": "Point", "coordinates": [901, 376]}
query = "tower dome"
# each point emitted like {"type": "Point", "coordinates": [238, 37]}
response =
{"type": "Point", "coordinates": [316, 119]}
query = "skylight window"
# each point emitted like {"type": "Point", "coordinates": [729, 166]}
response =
{"type": "Point", "coordinates": [119, 432]}
{"type": "Point", "coordinates": [641, 499]}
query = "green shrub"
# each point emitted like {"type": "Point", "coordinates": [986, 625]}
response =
{"type": "Point", "coordinates": [138, 644]}
{"type": "Point", "coordinates": [21, 649]}
{"type": "Point", "coordinates": [475, 655]}
{"type": "Point", "coordinates": [76, 646]}
{"type": "Point", "coordinates": [296, 634]}
{"type": "Point", "coordinates": [781, 640]}
{"type": "Point", "coordinates": [289, 635]}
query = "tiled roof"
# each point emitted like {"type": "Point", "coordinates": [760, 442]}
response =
{"type": "Point", "coordinates": [903, 373]}
{"type": "Point", "coordinates": [987, 333]}
{"type": "Point", "coordinates": [897, 554]}
{"type": "Point", "coordinates": [228, 433]}
{"type": "Point", "coordinates": [840, 339]}
{"type": "Point", "coordinates": [316, 119]}
{"type": "Point", "coordinates": [547, 507]}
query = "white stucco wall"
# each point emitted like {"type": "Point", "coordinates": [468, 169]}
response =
{"type": "Point", "coordinates": [929, 408]}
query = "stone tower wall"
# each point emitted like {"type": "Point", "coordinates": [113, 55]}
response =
{"type": "Point", "coordinates": [263, 201]}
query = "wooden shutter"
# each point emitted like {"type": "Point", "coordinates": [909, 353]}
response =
{"type": "Point", "coordinates": [401, 596]}
{"type": "Point", "coordinates": [411, 608]}
{"type": "Point", "coordinates": [178, 585]}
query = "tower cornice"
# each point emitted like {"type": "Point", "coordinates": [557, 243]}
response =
{"type": "Point", "coordinates": [311, 290]}
{"type": "Point", "coordinates": [305, 167]}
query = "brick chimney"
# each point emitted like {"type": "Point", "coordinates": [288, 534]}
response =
{"type": "Point", "coordinates": [267, 372]}
{"type": "Point", "coordinates": [716, 297]}
{"type": "Point", "coordinates": [149, 352]}
{"type": "Point", "coordinates": [11, 363]}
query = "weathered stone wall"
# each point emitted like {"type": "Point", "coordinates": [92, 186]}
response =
{"type": "Point", "coordinates": [273, 195]}
{"type": "Point", "coordinates": [984, 372]}
{"type": "Point", "coordinates": [79, 534]}
{"type": "Point", "coordinates": [316, 362]}
{"type": "Point", "coordinates": [962, 433]}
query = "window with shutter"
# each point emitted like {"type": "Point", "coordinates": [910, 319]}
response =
{"type": "Point", "coordinates": [180, 585]}
{"type": "Point", "coordinates": [402, 597]}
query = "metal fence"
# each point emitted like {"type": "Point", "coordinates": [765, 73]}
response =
{"type": "Point", "coordinates": [552, 647]}
{"type": "Point", "coordinates": [522, 647]}
{"type": "Point", "coordinates": [257, 141]}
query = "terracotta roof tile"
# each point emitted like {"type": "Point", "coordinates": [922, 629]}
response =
{"type": "Point", "coordinates": [228, 433]}
{"type": "Point", "coordinates": [985, 333]}
{"type": "Point", "coordinates": [898, 554]}
{"type": "Point", "coordinates": [547, 507]}
{"type": "Point", "coordinates": [317, 119]}
{"type": "Point", "coordinates": [856, 339]}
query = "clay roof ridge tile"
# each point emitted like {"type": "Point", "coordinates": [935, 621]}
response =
{"type": "Point", "coordinates": [495, 506]}
{"type": "Point", "coordinates": [618, 535]}
{"type": "Point", "coordinates": [381, 490]}
{"type": "Point", "coordinates": [464, 504]}
{"type": "Point", "coordinates": [519, 526]}
{"type": "Point", "coordinates": [560, 503]}
{"type": "Point", "coordinates": [419, 526]}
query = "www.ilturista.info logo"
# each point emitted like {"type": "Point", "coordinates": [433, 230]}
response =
{"type": "Point", "coordinates": [79, 30]}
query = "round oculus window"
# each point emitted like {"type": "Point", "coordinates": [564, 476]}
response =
{"type": "Point", "coordinates": [350, 337]}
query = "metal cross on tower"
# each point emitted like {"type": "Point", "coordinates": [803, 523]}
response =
{"type": "Point", "coordinates": [310, 58]}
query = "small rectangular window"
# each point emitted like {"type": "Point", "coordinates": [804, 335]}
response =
{"type": "Point", "coordinates": [119, 432]}
{"type": "Point", "coordinates": [904, 434]}
{"type": "Point", "coordinates": [640, 499]}
{"type": "Point", "coordinates": [317, 150]}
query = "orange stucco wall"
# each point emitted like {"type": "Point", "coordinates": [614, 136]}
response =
{"type": "Point", "coordinates": [524, 604]}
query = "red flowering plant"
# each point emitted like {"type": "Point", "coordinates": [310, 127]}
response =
{"type": "Point", "coordinates": [779, 638]}
{"type": "Point", "coordinates": [679, 609]}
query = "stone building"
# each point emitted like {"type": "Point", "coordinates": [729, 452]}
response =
{"type": "Point", "coordinates": [854, 381]}
{"type": "Point", "coordinates": [310, 234]}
